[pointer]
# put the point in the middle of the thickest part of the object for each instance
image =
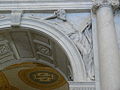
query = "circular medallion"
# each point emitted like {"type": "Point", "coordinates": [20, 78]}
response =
{"type": "Point", "coordinates": [44, 78]}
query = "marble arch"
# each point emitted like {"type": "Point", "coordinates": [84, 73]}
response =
{"type": "Point", "coordinates": [57, 34]}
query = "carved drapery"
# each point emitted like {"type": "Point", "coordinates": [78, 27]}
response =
{"type": "Point", "coordinates": [83, 41]}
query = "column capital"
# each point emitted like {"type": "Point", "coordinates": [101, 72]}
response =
{"type": "Point", "coordinates": [105, 3]}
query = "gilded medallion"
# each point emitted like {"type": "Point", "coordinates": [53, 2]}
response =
{"type": "Point", "coordinates": [43, 78]}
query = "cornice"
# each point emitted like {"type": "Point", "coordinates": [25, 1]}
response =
{"type": "Point", "coordinates": [85, 6]}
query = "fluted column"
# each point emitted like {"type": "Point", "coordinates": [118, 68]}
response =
{"type": "Point", "coordinates": [109, 61]}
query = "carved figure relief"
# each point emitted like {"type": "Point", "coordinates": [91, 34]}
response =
{"type": "Point", "coordinates": [82, 38]}
{"type": "Point", "coordinates": [83, 41]}
{"type": "Point", "coordinates": [60, 14]}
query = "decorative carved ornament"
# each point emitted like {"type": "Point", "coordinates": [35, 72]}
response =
{"type": "Point", "coordinates": [60, 14]}
{"type": "Point", "coordinates": [43, 49]}
{"type": "Point", "coordinates": [104, 3]}
{"type": "Point", "coordinates": [16, 17]}
{"type": "Point", "coordinates": [4, 49]}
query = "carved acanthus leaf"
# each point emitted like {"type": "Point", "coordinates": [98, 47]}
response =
{"type": "Point", "coordinates": [103, 3]}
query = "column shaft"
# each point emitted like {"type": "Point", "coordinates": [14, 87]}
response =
{"type": "Point", "coordinates": [108, 50]}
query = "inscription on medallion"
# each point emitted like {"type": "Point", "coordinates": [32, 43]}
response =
{"type": "Point", "coordinates": [43, 77]}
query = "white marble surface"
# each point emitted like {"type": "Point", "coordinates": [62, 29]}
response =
{"type": "Point", "coordinates": [109, 60]}
{"type": "Point", "coordinates": [48, 0]}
